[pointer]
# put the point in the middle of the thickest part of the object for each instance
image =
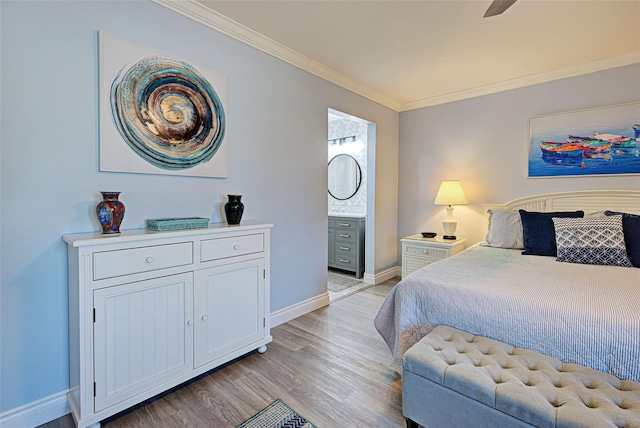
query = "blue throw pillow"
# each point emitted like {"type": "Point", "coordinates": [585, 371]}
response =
{"type": "Point", "coordinates": [631, 229]}
{"type": "Point", "coordinates": [539, 233]}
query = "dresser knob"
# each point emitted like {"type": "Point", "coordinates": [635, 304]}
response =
{"type": "Point", "coordinates": [149, 259]}
{"type": "Point", "coordinates": [236, 246]}
{"type": "Point", "coordinates": [205, 317]}
{"type": "Point", "coordinates": [190, 322]}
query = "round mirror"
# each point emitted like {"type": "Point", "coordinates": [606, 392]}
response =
{"type": "Point", "coordinates": [345, 177]}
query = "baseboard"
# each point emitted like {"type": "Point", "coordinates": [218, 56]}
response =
{"type": "Point", "coordinates": [38, 412]}
{"type": "Point", "coordinates": [294, 311]}
{"type": "Point", "coordinates": [381, 277]}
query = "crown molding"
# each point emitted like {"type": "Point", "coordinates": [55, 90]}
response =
{"type": "Point", "coordinates": [216, 21]}
{"type": "Point", "coordinates": [521, 82]}
{"type": "Point", "coordinates": [233, 29]}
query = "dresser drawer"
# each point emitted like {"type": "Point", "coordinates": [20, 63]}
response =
{"type": "Point", "coordinates": [345, 236]}
{"type": "Point", "coordinates": [221, 248]}
{"type": "Point", "coordinates": [346, 261]}
{"type": "Point", "coordinates": [432, 254]}
{"type": "Point", "coordinates": [344, 224]}
{"type": "Point", "coordinates": [110, 264]}
{"type": "Point", "coordinates": [344, 248]}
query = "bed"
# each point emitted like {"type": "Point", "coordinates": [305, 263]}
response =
{"type": "Point", "coordinates": [587, 314]}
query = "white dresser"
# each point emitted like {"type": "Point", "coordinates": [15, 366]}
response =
{"type": "Point", "coordinates": [417, 252]}
{"type": "Point", "coordinates": [151, 310]}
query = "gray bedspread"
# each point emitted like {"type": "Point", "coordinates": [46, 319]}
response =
{"type": "Point", "coordinates": [583, 314]}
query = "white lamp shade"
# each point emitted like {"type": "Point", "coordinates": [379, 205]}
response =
{"type": "Point", "coordinates": [450, 193]}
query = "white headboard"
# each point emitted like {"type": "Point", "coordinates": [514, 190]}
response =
{"type": "Point", "coordinates": [587, 200]}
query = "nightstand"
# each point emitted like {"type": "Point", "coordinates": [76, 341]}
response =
{"type": "Point", "coordinates": [417, 252]}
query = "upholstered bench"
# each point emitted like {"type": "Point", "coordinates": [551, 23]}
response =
{"type": "Point", "coordinates": [453, 378]}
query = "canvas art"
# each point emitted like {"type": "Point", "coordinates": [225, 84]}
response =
{"type": "Point", "coordinates": [600, 141]}
{"type": "Point", "coordinates": [158, 114]}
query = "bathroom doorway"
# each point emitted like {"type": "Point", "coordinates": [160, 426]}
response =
{"type": "Point", "coordinates": [349, 188]}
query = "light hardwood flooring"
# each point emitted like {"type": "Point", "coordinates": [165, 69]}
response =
{"type": "Point", "coordinates": [330, 365]}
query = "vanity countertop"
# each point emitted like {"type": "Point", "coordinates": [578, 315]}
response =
{"type": "Point", "coordinates": [347, 215]}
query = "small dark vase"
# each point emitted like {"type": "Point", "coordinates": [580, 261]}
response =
{"type": "Point", "coordinates": [110, 213]}
{"type": "Point", "coordinates": [234, 209]}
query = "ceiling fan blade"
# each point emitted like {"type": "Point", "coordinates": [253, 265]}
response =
{"type": "Point", "coordinates": [497, 7]}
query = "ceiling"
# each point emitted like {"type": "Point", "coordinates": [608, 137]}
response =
{"type": "Point", "coordinates": [412, 54]}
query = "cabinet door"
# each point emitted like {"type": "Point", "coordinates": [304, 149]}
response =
{"type": "Point", "coordinates": [229, 309]}
{"type": "Point", "coordinates": [142, 336]}
{"type": "Point", "coordinates": [411, 264]}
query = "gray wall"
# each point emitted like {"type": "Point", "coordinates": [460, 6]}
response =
{"type": "Point", "coordinates": [50, 181]}
{"type": "Point", "coordinates": [483, 142]}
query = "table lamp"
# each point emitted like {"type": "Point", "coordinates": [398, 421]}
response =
{"type": "Point", "coordinates": [450, 193]}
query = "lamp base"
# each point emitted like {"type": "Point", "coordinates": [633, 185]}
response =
{"type": "Point", "coordinates": [449, 225]}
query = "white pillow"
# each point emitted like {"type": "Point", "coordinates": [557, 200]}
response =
{"type": "Point", "coordinates": [505, 229]}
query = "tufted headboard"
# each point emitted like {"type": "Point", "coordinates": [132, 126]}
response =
{"type": "Point", "coordinates": [587, 200]}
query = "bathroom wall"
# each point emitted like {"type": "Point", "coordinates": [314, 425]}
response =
{"type": "Point", "coordinates": [340, 127]}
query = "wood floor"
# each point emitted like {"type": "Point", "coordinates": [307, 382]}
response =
{"type": "Point", "coordinates": [330, 365]}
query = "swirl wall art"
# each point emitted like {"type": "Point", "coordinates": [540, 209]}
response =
{"type": "Point", "coordinates": [159, 115]}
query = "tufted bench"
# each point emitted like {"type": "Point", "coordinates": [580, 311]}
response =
{"type": "Point", "coordinates": [453, 378]}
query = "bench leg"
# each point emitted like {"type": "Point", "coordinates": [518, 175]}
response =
{"type": "Point", "coordinates": [412, 424]}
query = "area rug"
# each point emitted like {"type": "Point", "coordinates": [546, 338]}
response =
{"type": "Point", "coordinates": [277, 415]}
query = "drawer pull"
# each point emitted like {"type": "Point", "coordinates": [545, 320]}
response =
{"type": "Point", "coordinates": [189, 322]}
{"type": "Point", "coordinates": [236, 246]}
{"type": "Point", "coordinates": [205, 317]}
{"type": "Point", "coordinates": [345, 248]}
{"type": "Point", "coordinates": [345, 235]}
{"type": "Point", "coordinates": [149, 259]}
{"type": "Point", "coordinates": [345, 224]}
{"type": "Point", "coordinates": [344, 261]}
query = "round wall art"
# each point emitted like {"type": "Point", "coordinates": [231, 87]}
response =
{"type": "Point", "coordinates": [167, 112]}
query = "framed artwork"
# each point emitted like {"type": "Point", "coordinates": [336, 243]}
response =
{"type": "Point", "coordinates": [599, 141]}
{"type": "Point", "coordinates": [158, 114]}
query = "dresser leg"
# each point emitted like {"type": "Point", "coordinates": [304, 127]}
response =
{"type": "Point", "coordinates": [262, 349]}
{"type": "Point", "coordinates": [412, 424]}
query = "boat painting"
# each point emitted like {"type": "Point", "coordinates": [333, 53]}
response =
{"type": "Point", "coordinates": [602, 141]}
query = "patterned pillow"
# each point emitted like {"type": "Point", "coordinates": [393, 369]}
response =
{"type": "Point", "coordinates": [595, 241]}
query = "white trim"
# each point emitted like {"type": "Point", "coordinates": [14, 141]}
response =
{"type": "Point", "coordinates": [381, 277]}
{"type": "Point", "coordinates": [215, 20]}
{"type": "Point", "coordinates": [294, 311]}
{"type": "Point", "coordinates": [37, 412]}
{"type": "Point", "coordinates": [522, 82]}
